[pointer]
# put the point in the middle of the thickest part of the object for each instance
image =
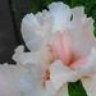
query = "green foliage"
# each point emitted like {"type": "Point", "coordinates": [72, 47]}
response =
{"type": "Point", "coordinates": [76, 89]}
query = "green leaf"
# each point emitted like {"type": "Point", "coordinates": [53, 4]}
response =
{"type": "Point", "coordinates": [76, 89]}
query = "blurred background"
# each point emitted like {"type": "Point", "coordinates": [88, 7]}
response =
{"type": "Point", "coordinates": [12, 12]}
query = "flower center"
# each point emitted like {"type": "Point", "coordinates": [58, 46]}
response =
{"type": "Point", "coordinates": [60, 48]}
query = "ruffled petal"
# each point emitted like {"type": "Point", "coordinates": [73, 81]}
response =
{"type": "Point", "coordinates": [41, 57]}
{"type": "Point", "coordinates": [37, 28]}
{"type": "Point", "coordinates": [29, 27]}
{"type": "Point", "coordinates": [90, 85]}
{"type": "Point", "coordinates": [61, 47]}
{"type": "Point", "coordinates": [61, 15]}
{"type": "Point", "coordinates": [34, 29]}
{"type": "Point", "coordinates": [63, 91]}
{"type": "Point", "coordinates": [86, 66]}
{"type": "Point", "coordinates": [81, 32]}
{"type": "Point", "coordinates": [20, 80]}
{"type": "Point", "coordinates": [59, 75]}
{"type": "Point", "coordinates": [7, 87]}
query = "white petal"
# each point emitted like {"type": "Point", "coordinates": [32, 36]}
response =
{"type": "Point", "coordinates": [7, 87]}
{"type": "Point", "coordinates": [22, 57]}
{"type": "Point", "coordinates": [78, 15]}
{"type": "Point", "coordinates": [34, 28]}
{"type": "Point", "coordinates": [37, 28]}
{"type": "Point", "coordinates": [41, 58]}
{"type": "Point", "coordinates": [36, 62]}
{"type": "Point", "coordinates": [61, 14]}
{"type": "Point", "coordinates": [81, 32]}
{"type": "Point", "coordinates": [29, 27]}
{"type": "Point", "coordinates": [59, 75]}
{"type": "Point", "coordinates": [86, 66]}
{"type": "Point", "coordinates": [20, 80]}
{"type": "Point", "coordinates": [62, 91]}
{"type": "Point", "coordinates": [90, 85]}
{"type": "Point", "coordinates": [45, 21]}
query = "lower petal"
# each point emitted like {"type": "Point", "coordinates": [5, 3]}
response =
{"type": "Point", "coordinates": [63, 91]}
{"type": "Point", "coordinates": [90, 85]}
{"type": "Point", "coordinates": [20, 81]}
{"type": "Point", "coordinates": [60, 74]}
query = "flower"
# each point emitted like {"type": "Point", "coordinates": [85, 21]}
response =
{"type": "Point", "coordinates": [62, 50]}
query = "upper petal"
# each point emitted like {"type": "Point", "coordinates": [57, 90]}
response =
{"type": "Point", "coordinates": [81, 32]}
{"type": "Point", "coordinates": [61, 14]}
{"type": "Point", "coordinates": [36, 29]}
{"type": "Point", "coordinates": [29, 28]}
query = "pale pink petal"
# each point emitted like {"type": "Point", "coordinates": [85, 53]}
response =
{"type": "Point", "coordinates": [89, 84]}
{"type": "Point", "coordinates": [34, 30]}
{"type": "Point", "coordinates": [62, 91]}
{"type": "Point", "coordinates": [81, 32]}
{"type": "Point", "coordinates": [37, 28]}
{"type": "Point", "coordinates": [61, 14]}
{"type": "Point", "coordinates": [29, 28]}
{"type": "Point", "coordinates": [45, 20]}
{"type": "Point", "coordinates": [7, 87]}
{"type": "Point", "coordinates": [61, 47]}
{"type": "Point", "coordinates": [41, 57]}
{"type": "Point", "coordinates": [60, 74]}
{"type": "Point", "coordinates": [85, 66]}
{"type": "Point", "coordinates": [17, 80]}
